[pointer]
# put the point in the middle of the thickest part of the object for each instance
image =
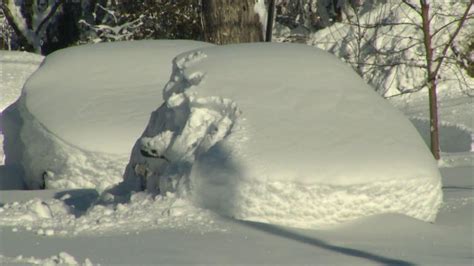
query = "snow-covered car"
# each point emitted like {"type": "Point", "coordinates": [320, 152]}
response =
{"type": "Point", "coordinates": [80, 113]}
{"type": "Point", "coordinates": [285, 134]}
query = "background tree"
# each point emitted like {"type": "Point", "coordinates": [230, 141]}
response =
{"type": "Point", "coordinates": [435, 58]}
{"type": "Point", "coordinates": [399, 48]}
{"type": "Point", "coordinates": [43, 25]}
{"type": "Point", "coordinates": [7, 34]}
{"type": "Point", "coordinates": [229, 21]}
{"type": "Point", "coordinates": [143, 19]}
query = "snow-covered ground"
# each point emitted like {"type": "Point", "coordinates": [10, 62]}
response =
{"type": "Point", "coordinates": [387, 239]}
{"type": "Point", "coordinates": [57, 226]}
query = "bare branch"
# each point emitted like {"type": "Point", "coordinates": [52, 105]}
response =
{"type": "Point", "coordinates": [51, 13]}
{"type": "Point", "coordinates": [450, 23]}
{"type": "Point", "coordinates": [412, 6]}
{"type": "Point", "coordinates": [453, 36]}
{"type": "Point", "coordinates": [383, 24]}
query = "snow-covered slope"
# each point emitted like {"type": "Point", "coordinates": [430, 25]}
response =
{"type": "Point", "coordinates": [315, 148]}
{"type": "Point", "coordinates": [82, 110]}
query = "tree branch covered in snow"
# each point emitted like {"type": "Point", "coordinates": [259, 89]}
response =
{"type": "Point", "coordinates": [31, 19]}
{"type": "Point", "coordinates": [47, 25]}
{"type": "Point", "coordinates": [121, 32]}
{"type": "Point", "coordinates": [145, 19]}
{"type": "Point", "coordinates": [7, 34]}
{"type": "Point", "coordinates": [384, 43]}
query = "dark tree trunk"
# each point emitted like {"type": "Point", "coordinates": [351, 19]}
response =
{"type": "Point", "coordinates": [230, 21]}
{"type": "Point", "coordinates": [270, 18]}
{"type": "Point", "coordinates": [432, 84]}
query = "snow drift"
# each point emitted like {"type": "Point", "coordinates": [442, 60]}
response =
{"type": "Point", "coordinates": [79, 114]}
{"type": "Point", "coordinates": [285, 134]}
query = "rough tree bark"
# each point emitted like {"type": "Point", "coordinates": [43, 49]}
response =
{"type": "Point", "coordinates": [231, 21]}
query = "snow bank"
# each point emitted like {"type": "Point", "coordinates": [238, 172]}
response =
{"type": "Point", "coordinates": [62, 258]}
{"type": "Point", "coordinates": [282, 133]}
{"type": "Point", "coordinates": [80, 113]}
{"type": "Point", "coordinates": [68, 214]}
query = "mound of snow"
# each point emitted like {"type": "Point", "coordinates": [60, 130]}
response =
{"type": "Point", "coordinates": [282, 133]}
{"type": "Point", "coordinates": [80, 113]}
{"type": "Point", "coordinates": [62, 258]}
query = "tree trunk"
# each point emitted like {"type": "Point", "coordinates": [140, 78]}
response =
{"type": "Point", "coordinates": [231, 21]}
{"type": "Point", "coordinates": [433, 101]}
{"type": "Point", "coordinates": [270, 19]}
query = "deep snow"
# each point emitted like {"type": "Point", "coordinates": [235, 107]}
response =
{"type": "Point", "coordinates": [316, 148]}
{"type": "Point", "coordinates": [387, 239]}
{"type": "Point", "coordinates": [382, 239]}
{"type": "Point", "coordinates": [80, 113]}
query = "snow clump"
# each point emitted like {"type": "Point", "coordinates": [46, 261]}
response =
{"type": "Point", "coordinates": [62, 258]}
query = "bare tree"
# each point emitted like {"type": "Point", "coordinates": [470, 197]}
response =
{"type": "Point", "coordinates": [434, 60]}
{"type": "Point", "coordinates": [43, 25]}
{"type": "Point", "coordinates": [404, 47]}
{"type": "Point", "coordinates": [229, 21]}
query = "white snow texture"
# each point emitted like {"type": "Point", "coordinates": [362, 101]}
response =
{"type": "Point", "coordinates": [316, 148]}
{"type": "Point", "coordinates": [80, 113]}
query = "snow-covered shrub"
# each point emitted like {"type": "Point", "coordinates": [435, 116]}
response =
{"type": "Point", "coordinates": [305, 148]}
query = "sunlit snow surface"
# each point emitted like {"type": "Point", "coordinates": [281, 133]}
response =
{"type": "Point", "coordinates": [81, 112]}
{"type": "Point", "coordinates": [15, 68]}
{"type": "Point", "coordinates": [377, 240]}
{"type": "Point", "coordinates": [317, 147]}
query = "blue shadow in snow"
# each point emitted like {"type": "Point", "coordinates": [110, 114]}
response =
{"type": "Point", "coordinates": [281, 232]}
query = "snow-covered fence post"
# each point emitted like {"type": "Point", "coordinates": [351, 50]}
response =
{"type": "Point", "coordinates": [433, 64]}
